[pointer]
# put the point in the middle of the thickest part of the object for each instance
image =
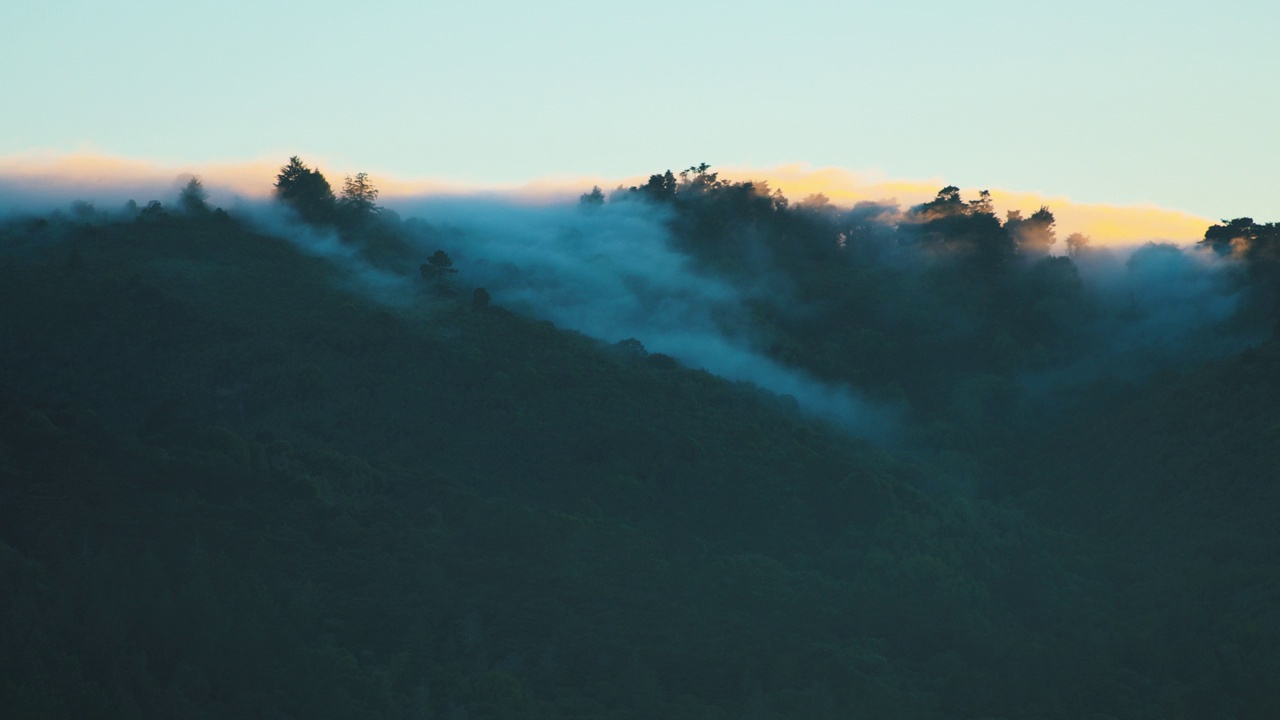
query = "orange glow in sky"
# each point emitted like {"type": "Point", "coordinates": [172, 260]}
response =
{"type": "Point", "coordinates": [89, 172]}
{"type": "Point", "coordinates": [1106, 224]}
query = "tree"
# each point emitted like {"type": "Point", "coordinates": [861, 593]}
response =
{"type": "Point", "coordinates": [947, 203]}
{"type": "Point", "coordinates": [1034, 236]}
{"type": "Point", "coordinates": [359, 196]}
{"type": "Point", "coordinates": [595, 197]}
{"type": "Point", "coordinates": [1258, 244]}
{"type": "Point", "coordinates": [437, 266]}
{"type": "Point", "coordinates": [306, 191]}
{"type": "Point", "coordinates": [659, 187]}
{"type": "Point", "coordinates": [1232, 236]}
{"type": "Point", "coordinates": [193, 199]}
{"type": "Point", "coordinates": [152, 212]}
{"type": "Point", "coordinates": [83, 210]}
{"type": "Point", "coordinates": [1076, 243]}
{"type": "Point", "coordinates": [969, 227]}
{"type": "Point", "coordinates": [698, 180]}
{"type": "Point", "coordinates": [983, 205]}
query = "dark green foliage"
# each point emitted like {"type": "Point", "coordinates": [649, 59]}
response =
{"type": "Point", "coordinates": [437, 270]}
{"type": "Point", "coordinates": [153, 212]}
{"type": "Point", "coordinates": [359, 199]}
{"type": "Point", "coordinates": [1258, 245]}
{"type": "Point", "coordinates": [327, 508]}
{"type": "Point", "coordinates": [659, 188]}
{"type": "Point", "coordinates": [919, 308]}
{"type": "Point", "coordinates": [306, 191]}
{"type": "Point", "coordinates": [230, 488]}
{"type": "Point", "coordinates": [193, 199]}
{"type": "Point", "coordinates": [970, 230]}
{"type": "Point", "coordinates": [438, 265]}
{"type": "Point", "coordinates": [1034, 236]}
{"type": "Point", "coordinates": [595, 197]}
{"type": "Point", "coordinates": [1244, 236]}
{"type": "Point", "coordinates": [1177, 488]}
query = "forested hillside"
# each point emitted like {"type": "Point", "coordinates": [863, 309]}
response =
{"type": "Point", "coordinates": [320, 458]}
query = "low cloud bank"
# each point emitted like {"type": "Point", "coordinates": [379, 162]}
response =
{"type": "Point", "coordinates": [1158, 306]}
{"type": "Point", "coordinates": [1107, 224]}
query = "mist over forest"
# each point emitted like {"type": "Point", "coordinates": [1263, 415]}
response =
{"type": "Point", "coordinates": [689, 448]}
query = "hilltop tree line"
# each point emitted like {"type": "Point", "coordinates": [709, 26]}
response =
{"type": "Point", "coordinates": [973, 325]}
{"type": "Point", "coordinates": [309, 194]}
{"type": "Point", "coordinates": [965, 318]}
{"type": "Point", "coordinates": [872, 296]}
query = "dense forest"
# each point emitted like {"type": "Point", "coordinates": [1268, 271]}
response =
{"type": "Point", "coordinates": [689, 449]}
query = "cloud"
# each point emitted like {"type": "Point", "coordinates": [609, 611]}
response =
{"type": "Point", "coordinates": [1106, 224]}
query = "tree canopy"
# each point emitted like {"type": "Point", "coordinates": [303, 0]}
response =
{"type": "Point", "coordinates": [359, 196]}
{"type": "Point", "coordinates": [193, 198]}
{"type": "Point", "coordinates": [306, 191]}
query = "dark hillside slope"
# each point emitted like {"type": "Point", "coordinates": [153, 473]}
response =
{"type": "Point", "coordinates": [1180, 486]}
{"type": "Point", "coordinates": [1199, 448]}
{"type": "Point", "coordinates": [231, 486]}
{"type": "Point", "coordinates": [166, 329]}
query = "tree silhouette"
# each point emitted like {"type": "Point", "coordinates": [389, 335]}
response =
{"type": "Point", "coordinates": [193, 198]}
{"type": "Point", "coordinates": [152, 212]}
{"type": "Point", "coordinates": [1076, 243]}
{"type": "Point", "coordinates": [1034, 236]}
{"type": "Point", "coordinates": [946, 203]}
{"type": "Point", "coordinates": [595, 197]}
{"type": "Point", "coordinates": [306, 191]}
{"type": "Point", "coordinates": [697, 180]}
{"type": "Point", "coordinates": [1240, 234]}
{"type": "Point", "coordinates": [437, 266]}
{"type": "Point", "coordinates": [969, 227]}
{"type": "Point", "coordinates": [359, 196]}
{"type": "Point", "coordinates": [659, 187]}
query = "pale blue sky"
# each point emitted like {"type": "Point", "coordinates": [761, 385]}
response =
{"type": "Point", "coordinates": [1172, 103]}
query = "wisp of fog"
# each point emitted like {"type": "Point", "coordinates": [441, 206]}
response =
{"type": "Point", "coordinates": [611, 272]}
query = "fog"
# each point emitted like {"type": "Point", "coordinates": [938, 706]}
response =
{"type": "Point", "coordinates": [611, 272]}
{"type": "Point", "coordinates": [619, 270]}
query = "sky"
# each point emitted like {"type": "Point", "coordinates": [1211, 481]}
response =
{"type": "Point", "coordinates": [1166, 106]}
